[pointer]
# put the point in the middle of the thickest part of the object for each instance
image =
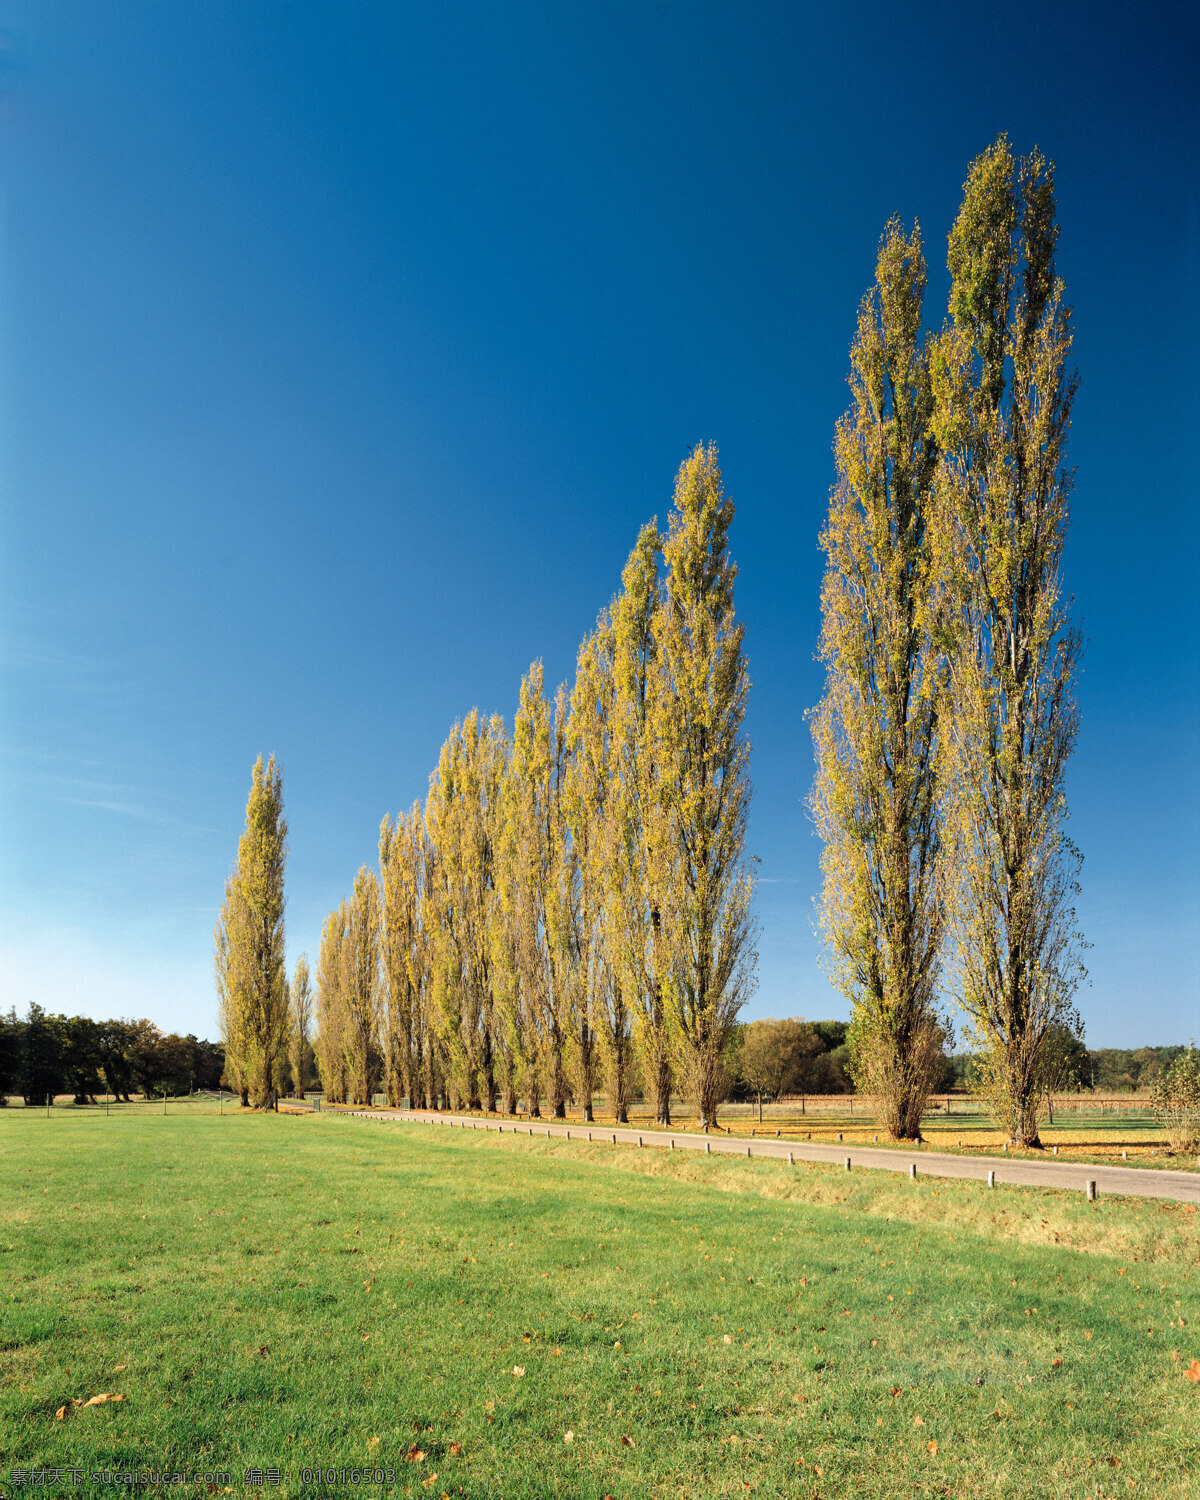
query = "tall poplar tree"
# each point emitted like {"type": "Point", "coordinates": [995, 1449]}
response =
{"type": "Point", "coordinates": [638, 862]}
{"type": "Point", "coordinates": [535, 811]}
{"type": "Point", "coordinates": [696, 713]}
{"type": "Point", "coordinates": [462, 817]}
{"type": "Point", "coordinates": [300, 1007]}
{"type": "Point", "coordinates": [520, 1074]}
{"type": "Point", "coordinates": [1003, 400]}
{"type": "Point", "coordinates": [330, 1045]}
{"type": "Point", "coordinates": [255, 966]}
{"type": "Point", "coordinates": [584, 720]}
{"type": "Point", "coordinates": [601, 1039]}
{"type": "Point", "coordinates": [403, 861]}
{"type": "Point", "coordinates": [227, 946]}
{"type": "Point", "coordinates": [875, 800]}
{"type": "Point", "coordinates": [360, 954]}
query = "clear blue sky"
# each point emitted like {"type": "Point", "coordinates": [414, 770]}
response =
{"type": "Point", "coordinates": [346, 347]}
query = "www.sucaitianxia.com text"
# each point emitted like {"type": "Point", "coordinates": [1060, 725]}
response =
{"type": "Point", "coordinates": [214, 1479]}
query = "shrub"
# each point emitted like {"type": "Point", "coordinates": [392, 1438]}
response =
{"type": "Point", "coordinates": [1176, 1100]}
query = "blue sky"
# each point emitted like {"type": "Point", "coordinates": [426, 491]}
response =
{"type": "Point", "coordinates": [346, 347]}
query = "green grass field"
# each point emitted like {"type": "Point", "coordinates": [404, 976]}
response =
{"type": "Point", "coordinates": [306, 1291]}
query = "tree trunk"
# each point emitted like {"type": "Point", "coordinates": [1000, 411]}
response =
{"type": "Point", "coordinates": [662, 1093]}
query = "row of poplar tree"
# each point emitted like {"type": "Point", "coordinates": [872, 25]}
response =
{"type": "Point", "coordinates": [571, 905]}
{"type": "Point", "coordinates": [569, 910]}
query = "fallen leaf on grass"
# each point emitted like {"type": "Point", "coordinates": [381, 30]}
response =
{"type": "Point", "coordinates": [425, 1483]}
{"type": "Point", "coordinates": [518, 1370]}
{"type": "Point", "coordinates": [415, 1455]}
{"type": "Point", "coordinates": [728, 1340]}
{"type": "Point", "coordinates": [372, 1444]}
{"type": "Point", "coordinates": [626, 1441]}
{"type": "Point", "coordinates": [1056, 1364]}
{"type": "Point", "coordinates": [918, 1421]}
{"type": "Point", "coordinates": [1193, 1371]}
{"type": "Point", "coordinates": [568, 1437]}
{"type": "Point", "coordinates": [118, 1368]}
{"type": "Point", "coordinates": [112, 1396]}
{"type": "Point", "coordinates": [896, 1389]}
{"type": "Point", "coordinates": [931, 1448]}
{"type": "Point", "coordinates": [455, 1450]}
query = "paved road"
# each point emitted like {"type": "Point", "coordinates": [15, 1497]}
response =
{"type": "Point", "coordinates": [1072, 1176]}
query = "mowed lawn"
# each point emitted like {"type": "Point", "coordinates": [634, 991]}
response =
{"type": "Point", "coordinates": [543, 1318]}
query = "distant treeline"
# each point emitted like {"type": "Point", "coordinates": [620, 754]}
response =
{"type": "Point", "coordinates": [1107, 1070]}
{"type": "Point", "coordinates": [45, 1055]}
{"type": "Point", "coordinates": [782, 1058]}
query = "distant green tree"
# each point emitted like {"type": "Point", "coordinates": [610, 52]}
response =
{"type": "Point", "coordinates": [81, 1057]}
{"type": "Point", "coordinates": [11, 1033]}
{"type": "Point", "coordinates": [113, 1043]}
{"type": "Point", "coordinates": [42, 1056]}
{"type": "Point", "coordinates": [832, 1034]}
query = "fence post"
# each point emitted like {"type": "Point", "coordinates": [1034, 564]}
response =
{"type": "Point", "coordinates": [991, 1179]}
{"type": "Point", "coordinates": [912, 1170]}
{"type": "Point", "coordinates": [1091, 1190]}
